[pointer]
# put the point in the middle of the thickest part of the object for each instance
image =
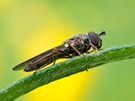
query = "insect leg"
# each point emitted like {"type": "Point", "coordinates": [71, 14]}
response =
{"type": "Point", "coordinates": [52, 56]}
{"type": "Point", "coordinates": [90, 51]}
{"type": "Point", "coordinates": [94, 47]}
{"type": "Point", "coordinates": [74, 49]}
{"type": "Point", "coordinates": [87, 49]}
{"type": "Point", "coordinates": [36, 70]}
{"type": "Point", "coordinates": [54, 62]}
{"type": "Point", "coordinates": [70, 56]}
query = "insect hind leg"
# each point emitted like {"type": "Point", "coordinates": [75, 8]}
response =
{"type": "Point", "coordinates": [37, 70]}
{"type": "Point", "coordinates": [51, 57]}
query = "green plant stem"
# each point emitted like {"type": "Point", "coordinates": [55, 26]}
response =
{"type": "Point", "coordinates": [66, 68]}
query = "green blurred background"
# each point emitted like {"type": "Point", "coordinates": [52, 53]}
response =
{"type": "Point", "coordinates": [29, 27]}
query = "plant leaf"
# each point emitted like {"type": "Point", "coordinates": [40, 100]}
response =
{"type": "Point", "coordinates": [64, 69]}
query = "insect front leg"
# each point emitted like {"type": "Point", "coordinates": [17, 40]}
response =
{"type": "Point", "coordinates": [94, 47]}
{"type": "Point", "coordinates": [90, 51]}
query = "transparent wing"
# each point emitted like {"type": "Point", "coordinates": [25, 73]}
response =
{"type": "Point", "coordinates": [42, 59]}
{"type": "Point", "coordinates": [35, 59]}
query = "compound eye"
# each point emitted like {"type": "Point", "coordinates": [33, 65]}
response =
{"type": "Point", "coordinates": [93, 38]}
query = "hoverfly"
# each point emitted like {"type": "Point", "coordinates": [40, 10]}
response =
{"type": "Point", "coordinates": [74, 46]}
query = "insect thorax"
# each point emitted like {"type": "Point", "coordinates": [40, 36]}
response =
{"type": "Point", "coordinates": [79, 41]}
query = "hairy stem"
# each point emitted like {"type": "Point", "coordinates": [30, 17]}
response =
{"type": "Point", "coordinates": [66, 68]}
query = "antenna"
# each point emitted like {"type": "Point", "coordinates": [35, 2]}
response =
{"type": "Point", "coordinates": [102, 33]}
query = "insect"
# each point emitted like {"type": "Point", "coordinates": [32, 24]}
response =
{"type": "Point", "coordinates": [74, 46]}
